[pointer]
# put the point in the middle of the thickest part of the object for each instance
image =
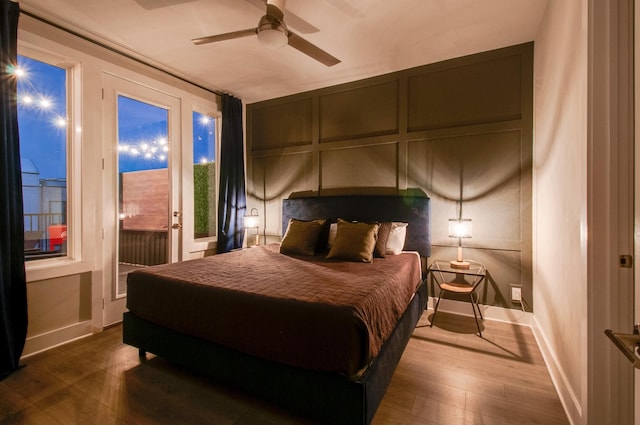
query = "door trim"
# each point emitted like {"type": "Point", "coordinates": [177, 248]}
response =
{"type": "Point", "coordinates": [113, 86]}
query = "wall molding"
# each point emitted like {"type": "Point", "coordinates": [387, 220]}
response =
{"type": "Point", "coordinates": [462, 125]}
{"type": "Point", "coordinates": [46, 341]}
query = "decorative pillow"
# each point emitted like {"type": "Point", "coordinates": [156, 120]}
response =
{"type": "Point", "coordinates": [301, 237]}
{"type": "Point", "coordinates": [354, 241]}
{"type": "Point", "coordinates": [383, 236]}
{"type": "Point", "coordinates": [333, 228]}
{"type": "Point", "coordinates": [397, 235]}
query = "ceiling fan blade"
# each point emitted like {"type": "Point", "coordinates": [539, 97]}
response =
{"type": "Point", "coordinates": [298, 23]}
{"type": "Point", "coordinates": [311, 50]}
{"type": "Point", "coordinates": [226, 36]}
{"type": "Point", "coordinates": [157, 4]}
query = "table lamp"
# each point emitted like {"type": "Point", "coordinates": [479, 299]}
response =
{"type": "Point", "coordinates": [252, 221]}
{"type": "Point", "coordinates": [459, 228]}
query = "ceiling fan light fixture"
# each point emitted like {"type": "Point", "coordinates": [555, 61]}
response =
{"type": "Point", "coordinates": [272, 32]}
{"type": "Point", "coordinates": [273, 36]}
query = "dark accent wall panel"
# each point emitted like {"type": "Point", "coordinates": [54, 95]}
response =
{"type": "Point", "coordinates": [474, 93]}
{"type": "Point", "coordinates": [484, 172]}
{"type": "Point", "coordinates": [364, 166]}
{"type": "Point", "coordinates": [460, 131]}
{"type": "Point", "coordinates": [359, 112]}
{"type": "Point", "coordinates": [281, 125]}
{"type": "Point", "coordinates": [273, 178]}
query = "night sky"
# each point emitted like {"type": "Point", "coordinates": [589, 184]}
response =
{"type": "Point", "coordinates": [142, 127]}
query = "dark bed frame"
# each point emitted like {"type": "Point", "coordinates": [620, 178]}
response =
{"type": "Point", "coordinates": [321, 396]}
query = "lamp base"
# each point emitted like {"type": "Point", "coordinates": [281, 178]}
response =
{"type": "Point", "coordinates": [459, 264]}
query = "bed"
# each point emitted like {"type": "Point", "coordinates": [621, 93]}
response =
{"type": "Point", "coordinates": [334, 368]}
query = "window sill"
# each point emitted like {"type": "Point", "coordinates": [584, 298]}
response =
{"type": "Point", "coordinates": [55, 267]}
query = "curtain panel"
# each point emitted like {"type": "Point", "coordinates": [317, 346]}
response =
{"type": "Point", "coordinates": [232, 203]}
{"type": "Point", "coordinates": [13, 287]}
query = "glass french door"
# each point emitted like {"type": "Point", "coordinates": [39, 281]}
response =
{"type": "Point", "coordinates": [142, 212]}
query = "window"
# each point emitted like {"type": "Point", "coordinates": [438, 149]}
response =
{"type": "Point", "coordinates": [43, 129]}
{"type": "Point", "coordinates": [204, 175]}
{"type": "Point", "coordinates": [144, 183]}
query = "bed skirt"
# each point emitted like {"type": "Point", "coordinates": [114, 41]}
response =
{"type": "Point", "coordinates": [327, 397]}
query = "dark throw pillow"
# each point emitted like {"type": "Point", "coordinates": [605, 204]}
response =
{"type": "Point", "coordinates": [301, 237]}
{"type": "Point", "coordinates": [354, 241]}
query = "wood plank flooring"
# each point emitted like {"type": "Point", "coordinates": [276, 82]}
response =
{"type": "Point", "coordinates": [447, 375]}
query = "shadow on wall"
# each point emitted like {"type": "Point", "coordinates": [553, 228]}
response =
{"type": "Point", "coordinates": [348, 191]}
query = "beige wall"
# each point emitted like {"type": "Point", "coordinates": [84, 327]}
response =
{"type": "Point", "coordinates": [560, 194]}
{"type": "Point", "coordinates": [582, 204]}
{"type": "Point", "coordinates": [63, 304]}
{"type": "Point", "coordinates": [459, 129]}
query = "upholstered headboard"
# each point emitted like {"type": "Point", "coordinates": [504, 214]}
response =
{"type": "Point", "coordinates": [409, 209]}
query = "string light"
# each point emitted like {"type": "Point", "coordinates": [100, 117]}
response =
{"type": "Point", "coordinates": [152, 150]}
{"type": "Point", "coordinates": [60, 122]}
{"type": "Point", "coordinates": [45, 103]}
{"type": "Point", "coordinates": [205, 121]}
{"type": "Point", "coordinates": [31, 97]}
{"type": "Point", "coordinates": [147, 149]}
{"type": "Point", "coordinates": [16, 71]}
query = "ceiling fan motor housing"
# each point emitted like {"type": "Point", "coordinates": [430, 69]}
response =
{"type": "Point", "coordinates": [271, 32]}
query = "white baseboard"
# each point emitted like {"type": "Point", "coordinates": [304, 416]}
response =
{"type": "Point", "coordinates": [38, 343]}
{"type": "Point", "coordinates": [500, 314]}
{"type": "Point", "coordinates": [568, 398]}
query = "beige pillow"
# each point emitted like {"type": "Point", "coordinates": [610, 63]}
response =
{"type": "Point", "coordinates": [333, 228]}
{"type": "Point", "coordinates": [354, 241]}
{"type": "Point", "coordinates": [301, 237]}
{"type": "Point", "coordinates": [397, 235]}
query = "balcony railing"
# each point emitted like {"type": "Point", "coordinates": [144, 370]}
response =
{"type": "Point", "coordinates": [44, 235]}
{"type": "Point", "coordinates": [42, 221]}
{"type": "Point", "coordinates": [142, 247]}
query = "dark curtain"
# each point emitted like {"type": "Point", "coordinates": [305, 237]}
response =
{"type": "Point", "coordinates": [231, 198]}
{"type": "Point", "coordinates": [13, 286]}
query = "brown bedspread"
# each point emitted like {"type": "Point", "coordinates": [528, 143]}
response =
{"type": "Point", "coordinates": [302, 311]}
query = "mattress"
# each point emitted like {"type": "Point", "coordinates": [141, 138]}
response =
{"type": "Point", "coordinates": [308, 312]}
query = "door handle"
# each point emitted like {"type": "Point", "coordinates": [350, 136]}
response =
{"type": "Point", "coordinates": [176, 226]}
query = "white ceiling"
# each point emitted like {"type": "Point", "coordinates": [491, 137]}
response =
{"type": "Point", "coordinates": [370, 37]}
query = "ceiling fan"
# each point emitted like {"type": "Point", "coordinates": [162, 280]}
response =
{"type": "Point", "coordinates": [273, 32]}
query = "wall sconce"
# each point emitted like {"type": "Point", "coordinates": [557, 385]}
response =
{"type": "Point", "coordinates": [459, 228]}
{"type": "Point", "coordinates": [252, 221]}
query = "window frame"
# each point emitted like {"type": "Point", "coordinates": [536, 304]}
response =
{"type": "Point", "coordinates": [85, 66]}
{"type": "Point", "coordinates": [197, 246]}
{"type": "Point", "coordinates": [49, 267]}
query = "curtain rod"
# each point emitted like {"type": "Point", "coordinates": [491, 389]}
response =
{"type": "Point", "coordinates": [114, 50]}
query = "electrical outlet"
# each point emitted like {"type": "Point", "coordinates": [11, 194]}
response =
{"type": "Point", "coordinates": [516, 294]}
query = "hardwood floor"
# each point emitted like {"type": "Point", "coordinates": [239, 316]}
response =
{"type": "Point", "coordinates": [447, 375]}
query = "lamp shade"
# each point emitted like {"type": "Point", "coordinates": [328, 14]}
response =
{"type": "Point", "coordinates": [252, 220]}
{"type": "Point", "coordinates": [460, 227]}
